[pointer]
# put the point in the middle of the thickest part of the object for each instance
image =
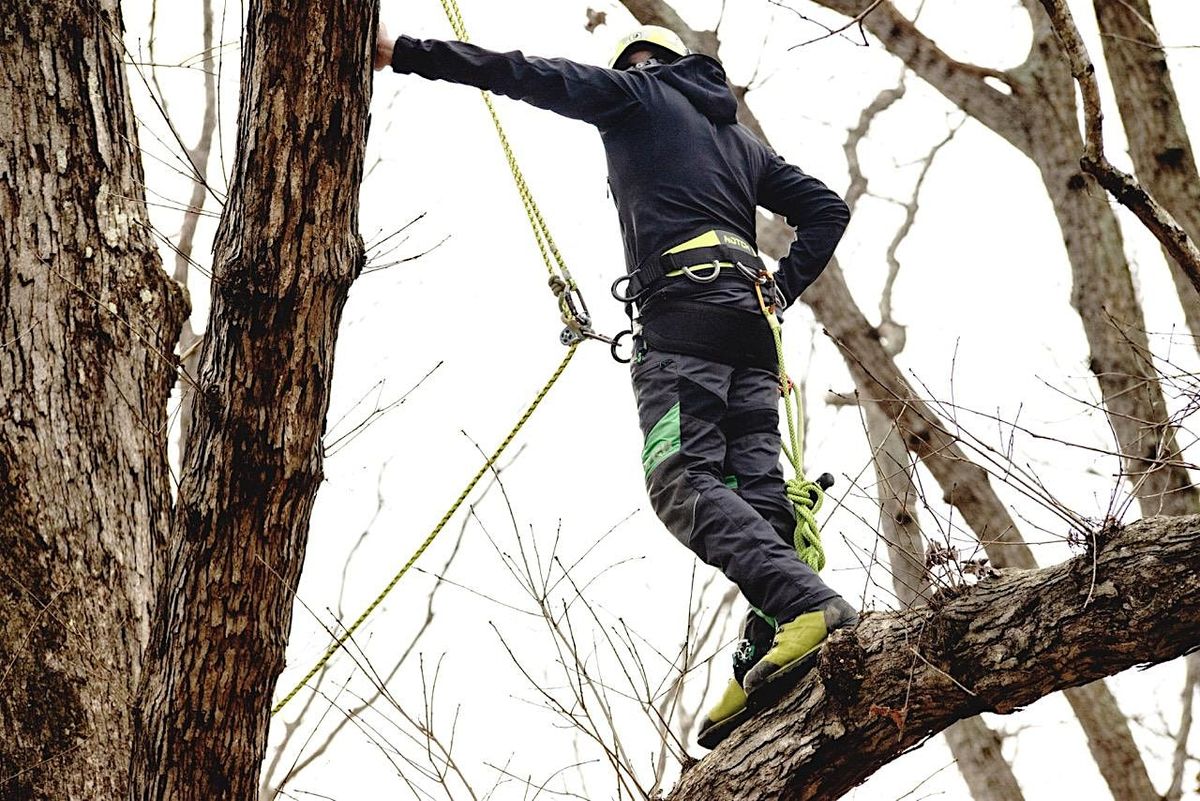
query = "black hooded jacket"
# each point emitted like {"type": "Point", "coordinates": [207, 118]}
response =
{"type": "Point", "coordinates": [679, 164]}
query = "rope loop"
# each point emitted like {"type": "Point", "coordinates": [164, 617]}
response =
{"type": "Point", "coordinates": [807, 497]}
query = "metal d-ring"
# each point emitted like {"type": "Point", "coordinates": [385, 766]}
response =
{"type": "Point", "coordinates": [703, 279]}
{"type": "Point", "coordinates": [615, 290]}
{"type": "Point", "coordinates": [616, 343]}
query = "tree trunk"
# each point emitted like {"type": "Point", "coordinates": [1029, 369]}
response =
{"type": "Point", "coordinates": [88, 320]}
{"type": "Point", "coordinates": [899, 525]}
{"type": "Point", "coordinates": [1103, 292]}
{"type": "Point", "coordinates": [977, 753]}
{"type": "Point", "coordinates": [1111, 742]}
{"type": "Point", "coordinates": [1158, 139]}
{"type": "Point", "coordinates": [885, 686]}
{"type": "Point", "coordinates": [287, 251]}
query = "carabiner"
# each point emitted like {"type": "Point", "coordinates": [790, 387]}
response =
{"type": "Point", "coordinates": [703, 279]}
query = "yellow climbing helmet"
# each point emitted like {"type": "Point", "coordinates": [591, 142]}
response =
{"type": "Point", "coordinates": [651, 35]}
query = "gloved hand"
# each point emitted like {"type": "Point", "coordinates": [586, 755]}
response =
{"type": "Point", "coordinates": [383, 48]}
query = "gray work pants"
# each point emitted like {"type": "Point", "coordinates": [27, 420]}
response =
{"type": "Point", "coordinates": [711, 460]}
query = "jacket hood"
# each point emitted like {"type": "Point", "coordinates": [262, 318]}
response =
{"type": "Point", "coordinates": [701, 79]}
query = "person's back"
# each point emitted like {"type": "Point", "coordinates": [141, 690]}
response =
{"type": "Point", "coordinates": [679, 163]}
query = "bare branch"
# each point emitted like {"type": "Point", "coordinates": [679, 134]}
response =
{"type": "Point", "coordinates": [962, 83]}
{"type": "Point", "coordinates": [1122, 186]}
{"type": "Point", "coordinates": [1188, 697]}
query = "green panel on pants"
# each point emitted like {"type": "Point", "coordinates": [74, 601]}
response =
{"type": "Point", "coordinates": [662, 442]}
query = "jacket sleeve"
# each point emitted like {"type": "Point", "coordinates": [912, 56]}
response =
{"type": "Point", "coordinates": [815, 211]}
{"type": "Point", "coordinates": [593, 94]}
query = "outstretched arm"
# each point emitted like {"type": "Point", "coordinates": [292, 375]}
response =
{"type": "Point", "coordinates": [383, 47]}
{"type": "Point", "coordinates": [816, 212]}
{"type": "Point", "coordinates": [593, 94]}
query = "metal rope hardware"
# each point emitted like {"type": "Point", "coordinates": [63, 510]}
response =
{"type": "Point", "coordinates": [577, 322]}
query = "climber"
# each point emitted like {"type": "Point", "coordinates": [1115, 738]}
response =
{"type": "Point", "coordinates": [686, 179]}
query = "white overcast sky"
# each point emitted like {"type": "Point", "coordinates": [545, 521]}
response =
{"type": "Point", "coordinates": [984, 292]}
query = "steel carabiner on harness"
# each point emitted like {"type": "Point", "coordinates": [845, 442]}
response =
{"type": "Point", "coordinates": [574, 316]}
{"type": "Point", "coordinates": [765, 280]}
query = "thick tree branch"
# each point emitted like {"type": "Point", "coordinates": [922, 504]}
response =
{"type": "Point", "coordinates": [962, 83]}
{"type": "Point", "coordinates": [1128, 192]}
{"type": "Point", "coordinates": [887, 685]}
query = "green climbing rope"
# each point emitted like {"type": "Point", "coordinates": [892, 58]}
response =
{"type": "Point", "coordinates": [806, 496]}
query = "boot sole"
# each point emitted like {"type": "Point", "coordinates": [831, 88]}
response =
{"type": "Point", "coordinates": [777, 685]}
{"type": "Point", "coordinates": [771, 690]}
{"type": "Point", "coordinates": [711, 737]}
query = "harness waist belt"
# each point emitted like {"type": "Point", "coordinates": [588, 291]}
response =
{"type": "Point", "coordinates": [731, 336]}
{"type": "Point", "coordinates": [729, 248]}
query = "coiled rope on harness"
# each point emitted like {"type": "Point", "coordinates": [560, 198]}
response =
{"type": "Point", "coordinates": [574, 315]}
{"type": "Point", "coordinates": [806, 496]}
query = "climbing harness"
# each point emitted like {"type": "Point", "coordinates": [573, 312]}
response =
{"type": "Point", "coordinates": [574, 314]}
{"type": "Point", "coordinates": [703, 259]}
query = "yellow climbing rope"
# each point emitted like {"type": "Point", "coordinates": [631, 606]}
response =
{"type": "Point", "coordinates": [551, 256]}
{"type": "Point", "coordinates": [806, 496]}
{"type": "Point", "coordinates": [454, 507]}
{"type": "Point", "coordinates": [564, 289]}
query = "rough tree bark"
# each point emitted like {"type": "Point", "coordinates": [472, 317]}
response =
{"type": "Point", "coordinates": [287, 251]}
{"type": "Point", "coordinates": [88, 320]}
{"type": "Point", "coordinates": [885, 686]}
{"type": "Point", "coordinates": [1158, 139]}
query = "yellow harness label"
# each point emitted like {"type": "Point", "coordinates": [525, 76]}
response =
{"type": "Point", "coordinates": [736, 241]}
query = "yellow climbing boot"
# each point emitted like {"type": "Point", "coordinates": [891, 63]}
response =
{"type": "Point", "coordinates": [796, 645]}
{"type": "Point", "coordinates": [729, 713]}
